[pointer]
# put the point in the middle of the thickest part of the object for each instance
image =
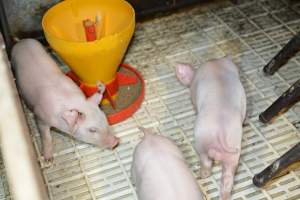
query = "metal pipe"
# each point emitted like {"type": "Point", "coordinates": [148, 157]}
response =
{"type": "Point", "coordinates": [289, 97]}
{"type": "Point", "coordinates": [23, 172]}
{"type": "Point", "coordinates": [290, 157]}
{"type": "Point", "coordinates": [283, 55]}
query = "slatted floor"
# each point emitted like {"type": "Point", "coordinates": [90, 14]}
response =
{"type": "Point", "coordinates": [252, 32]}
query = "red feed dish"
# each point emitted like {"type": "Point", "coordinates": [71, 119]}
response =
{"type": "Point", "coordinates": [130, 110]}
{"type": "Point", "coordinates": [112, 88]}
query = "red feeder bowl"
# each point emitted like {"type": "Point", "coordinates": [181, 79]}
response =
{"type": "Point", "coordinates": [121, 79]}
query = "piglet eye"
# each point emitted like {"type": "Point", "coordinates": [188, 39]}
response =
{"type": "Point", "coordinates": [93, 130]}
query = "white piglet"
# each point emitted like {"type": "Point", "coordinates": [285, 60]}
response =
{"type": "Point", "coordinates": [56, 100]}
{"type": "Point", "coordinates": [160, 172]}
{"type": "Point", "coordinates": [220, 100]}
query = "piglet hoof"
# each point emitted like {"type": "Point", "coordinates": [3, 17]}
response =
{"type": "Point", "coordinates": [225, 195]}
{"type": "Point", "coordinates": [48, 157]}
{"type": "Point", "coordinates": [133, 182]}
{"type": "Point", "coordinates": [49, 160]}
{"type": "Point", "coordinates": [204, 173]}
{"type": "Point", "coordinates": [101, 87]}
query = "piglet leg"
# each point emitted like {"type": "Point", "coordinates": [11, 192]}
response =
{"type": "Point", "coordinates": [206, 165]}
{"type": "Point", "coordinates": [228, 171]}
{"type": "Point", "coordinates": [46, 140]}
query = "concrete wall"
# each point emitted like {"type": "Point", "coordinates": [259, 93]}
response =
{"type": "Point", "coordinates": [25, 16]}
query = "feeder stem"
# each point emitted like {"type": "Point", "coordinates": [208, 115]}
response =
{"type": "Point", "coordinates": [90, 30]}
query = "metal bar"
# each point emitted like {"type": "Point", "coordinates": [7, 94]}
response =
{"type": "Point", "coordinates": [289, 97]}
{"type": "Point", "coordinates": [21, 165]}
{"type": "Point", "coordinates": [283, 55]}
{"type": "Point", "coordinates": [290, 157]}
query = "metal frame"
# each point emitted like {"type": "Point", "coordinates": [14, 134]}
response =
{"type": "Point", "coordinates": [285, 101]}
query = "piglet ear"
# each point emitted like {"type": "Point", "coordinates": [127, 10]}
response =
{"type": "Point", "coordinates": [185, 73]}
{"type": "Point", "coordinates": [229, 57]}
{"type": "Point", "coordinates": [95, 98]}
{"type": "Point", "coordinates": [71, 117]}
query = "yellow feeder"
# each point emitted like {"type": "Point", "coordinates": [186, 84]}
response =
{"type": "Point", "coordinates": [92, 36]}
{"type": "Point", "coordinates": [95, 60]}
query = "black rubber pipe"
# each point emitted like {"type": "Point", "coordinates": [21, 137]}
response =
{"type": "Point", "coordinates": [283, 55]}
{"type": "Point", "coordinates": [289, 97]}
{"type": "Point", "coordinates": [289, 158]}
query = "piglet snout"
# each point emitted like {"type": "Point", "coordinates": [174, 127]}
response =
{"type": "Point", "coordinates": [112, 141]}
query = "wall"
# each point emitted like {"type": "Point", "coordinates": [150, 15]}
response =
{"type": "Point", "coordinates": [24, 16]}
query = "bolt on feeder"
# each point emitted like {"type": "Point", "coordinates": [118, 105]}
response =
{"type": "Point", "coordinates": [92, 36]}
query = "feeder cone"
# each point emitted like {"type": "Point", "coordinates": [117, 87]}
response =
{"type": "Point", "coordinates": [92, 36]}
{"type": "Point", "coordinates": [96, 60]}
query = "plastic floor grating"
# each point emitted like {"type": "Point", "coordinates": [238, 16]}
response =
{"type": "Point", "coordinates": [252, 32]}
{"type": "Point", "coordinates": [4, 191]}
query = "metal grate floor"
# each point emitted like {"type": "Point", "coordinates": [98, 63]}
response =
{"type": "Point", "coordinates": [252, 32]}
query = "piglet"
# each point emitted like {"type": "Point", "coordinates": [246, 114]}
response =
{"type": "Point", "coordinates": [56, 100]}
{"type": "Point", "coordinates": [159, 170]}
{"type": "Point", "coordinates": [220, 101]}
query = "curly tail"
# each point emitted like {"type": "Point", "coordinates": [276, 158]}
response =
{"type": "Point", "coordinates": [146, 131]}
{"type": "Point", "coordinates": [224, 145]}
